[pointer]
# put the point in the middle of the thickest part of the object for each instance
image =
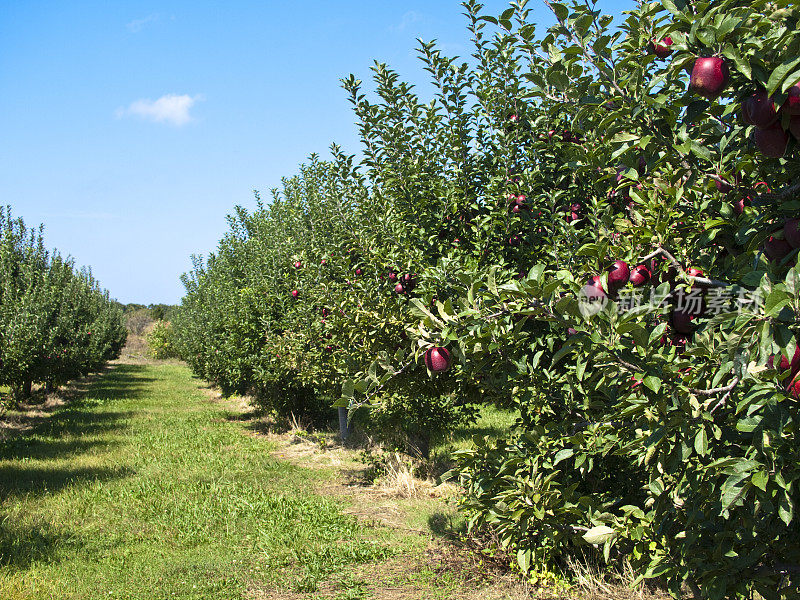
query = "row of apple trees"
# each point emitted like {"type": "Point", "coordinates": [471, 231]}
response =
{"type": "Point", "coordinates": [56, 323]}
{"type": "Point", "coordinates": [595, 224]}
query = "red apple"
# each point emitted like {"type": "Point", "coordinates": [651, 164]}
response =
{"type": "Point", "coordinates": [359, 272]}
{"type": "Point", "coordinates": [791, 232]}
{"type": "Point", "coordinates": [298, 264]}
{"type": "Point", "coordinates": [437, 359]}
{"type": "Point", "coordinates": [662, 49]}
{"type": "Point", "coordinates": [323, 261]}
{"type": "Point", "coordinates": [399, 289]}
{"type": "Point", "coordinates": [682, 321]}
{"type": "Point", "coordinates": [794, 387]}
{"type": "Point", "coordinates": [639, 275]}
{"type": "Point", "coordinates": [738, 205]}
{"type": "Point", "coordinates": [772, 141]}
{"type": "Point", "coordinates": [295, 294]}
{"type": "Point", "coordinates": [776, 249]}
{"type": "Point", "coordinates": [758, 109]}
{"type": "Point", "coordinates": [618, 274]}
{"type": "Point", "coordinates": [593, 290]}
{"type": "Point", "coordinates": [794, 126]}
{"type": "Point", "coordinates": [392, 276]}
{"type": "Point", "coordinates": [710, 75]}
{"type": "Point", "coordinates": [792, 104]}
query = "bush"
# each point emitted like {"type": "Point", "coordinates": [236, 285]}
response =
{"type": "Point", "coordinates": [56, 323]}
{"type": "Point", "coordinates": [492, 221]}
{"type": "Point", "coordinates": [161, 341]}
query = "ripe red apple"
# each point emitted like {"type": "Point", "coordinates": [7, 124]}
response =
{"type": "Point", "coordinates": [682, 321]}
{"type": "Point", "coordinates": [793, 366]}
{"type": "Point", "coordinates": [724, 185]}
{"type": "Point", "coordinates": [295, 294]}
{"type": "Point", "coordinates": [323, 262]}
{"type": "Point", "coordinates": [399, 289]}
{"type": "Point", "coordinates": [662, 49]}
{"type": "Point", "coordinates": [639, 275]}
{"type": "Point", "coordinates": [359, 272]}
{"type": "Point", "coordinates": [791, 232]}
{"type": "Point", "coordinates": [794, 126]}
{"type": "Point", "coordinates": [794, 387]}
{"type": "Point", "coordinates": [776, 249]}
{"type": "Point", "coordinates": [792, 104]}
{"type": "Point", "coordinates": [593, 290]}
{"type": "Point", "coordinates": [694, 272]}
{"type": "Point", "coordinates": [710, 75]}
{"type": "Point", "coordinates": [758, 109]}
{"type": "Point", "coordinates": [437, 359]}
{"type": "Point", "coordinates": [772, 141]}
{"type": "Point", "coordinates": [618, 274]}
{"type": "Point", "coordinates": [298, 264]}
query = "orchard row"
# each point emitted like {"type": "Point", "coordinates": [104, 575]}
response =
{"type": "Point", "coordinates": [56, 324]}
{"type": "Point", "coordinates": [478, 252]}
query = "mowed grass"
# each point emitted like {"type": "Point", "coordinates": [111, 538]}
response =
{"type": "Point", "coordinates": [145, 488]}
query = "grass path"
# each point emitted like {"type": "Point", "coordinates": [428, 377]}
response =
{"type": "Point", "coordinates": [145, 488]}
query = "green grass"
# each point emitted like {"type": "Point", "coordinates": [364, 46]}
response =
{"type": "Point", "coordinates": [146, 489]}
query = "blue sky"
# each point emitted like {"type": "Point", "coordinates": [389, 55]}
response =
{"type": "Point", "coordinates": [130, 129]}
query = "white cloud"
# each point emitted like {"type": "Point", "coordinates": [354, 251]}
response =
{"type": "Point", "coordinates": [409, 18]}
{"type": "Point", "coordinates": [171, 108]}
{"type": "Point", "coordinates": [136, 25]}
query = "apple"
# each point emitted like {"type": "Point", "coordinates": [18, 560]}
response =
{"type": "Point", "coordinates": [437, 359]}
{"type": "Point", "coordinates": [323, 262]}
{"type": "Point", "coordinates": [392, 276]}
{"type": "Point", "coordinates": [662, 49]}
{"type": "Point", "coordinates": [359, 272]}
{"type": "Point", "coordinates": [771, 141]}
{"type": "Point", "coordinates": [618, 274]}
{"type": "Point", "coordinates": [794, 387]}
{"type": "Point", "coordinates": [738, 205]}
{"type": "Point", "coordinates": [794, 126]}
{"type": "Point", "coordinates": [724, 185]}
{"type": "Point", "coordinates": [593, 290]}
{"type": "Point", "coordinates": [640, 275]}
{"type": "Point", "coordinates": [776, 249]}
{"type": "Point", "coordinates": [399, 289]}
{"type": "Point", "coordinates": [298, 265]}
{"type": "Point", "coordinates": [682, 321]}
{"type": "Point", "coordinates": [514, 240]}
{"type": "Point", "coordinates": [295, 294]}
{"type": "Point", "coordinates": [791, 232]}
{"type": "Point", "coordinates": [758, 109]}
{"type": "Point", "coordinates": [710, 75]}
{"type": "Point", "coordinates": [792, 104]}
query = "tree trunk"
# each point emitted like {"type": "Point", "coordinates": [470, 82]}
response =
{"type": "Point", "coordinates": [27, 389]}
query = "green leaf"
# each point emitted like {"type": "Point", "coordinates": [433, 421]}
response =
{"type": "Point", "coordinates": [780, 73]}
{"type": "Point", "coordinates": [524, 560]}
{"type": "Point", "coordinates": [348, 388]}
{"type": "Point", "coordinates": [652, 382]}
{"type": "Point", "coordinates": [599, 535]}
{"type": "Point", "coordinates": [701, 442]}
{"type": "Point", "coordinates": [563, 455]}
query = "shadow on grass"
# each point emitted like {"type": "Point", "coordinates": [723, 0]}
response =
{"type": "Point", "coordinates": [23, 545]}
{"type": "Point", "coordinates": [444, 526]}
{"type": "Point", "coordinates": [58, 433]}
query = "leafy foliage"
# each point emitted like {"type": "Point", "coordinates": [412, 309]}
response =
{"type": "Point", "coordinates": [648, 433]}
{"type": "Point", "coordinates": [56, 323]}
